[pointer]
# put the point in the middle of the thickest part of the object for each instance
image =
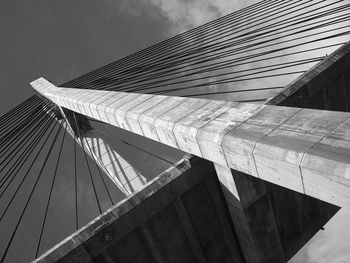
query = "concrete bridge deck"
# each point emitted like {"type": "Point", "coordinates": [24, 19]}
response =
{"type": "Point", "coordinates": [305, 150]}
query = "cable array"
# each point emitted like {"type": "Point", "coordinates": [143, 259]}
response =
{"type": "Point", "coordinates": [236, 57]}
{"type": "Point", "coordinates": [246, 56]}
{"type": "Point", "coordinates": [34, 150]}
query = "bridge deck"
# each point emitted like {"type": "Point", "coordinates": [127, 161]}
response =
{"type": "Point", "coordinates": [305, 150]}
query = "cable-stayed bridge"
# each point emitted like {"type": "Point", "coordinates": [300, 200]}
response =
{"type": "Point", "coordinates": [249, 192]}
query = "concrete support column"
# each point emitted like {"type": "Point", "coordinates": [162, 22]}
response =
{"type": "Point", "coordinates": [252, 215]}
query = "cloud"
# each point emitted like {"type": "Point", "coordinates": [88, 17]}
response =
{"type": "Point", "coordinates": [331, 245]}
{"type": "Point", "coordinates": [185, 15]}
{"type": "Point", "coordinates": [182, 14]}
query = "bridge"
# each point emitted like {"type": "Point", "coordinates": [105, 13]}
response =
{"type": "Point", "coordinates": [256, 177]}
{"type": "Point", "coordinates": [304, 150]}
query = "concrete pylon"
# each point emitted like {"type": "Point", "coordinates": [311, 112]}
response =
{"type": "Point", "coordinates": [305, 150]}
{"type": "Point", "coordinates": [252, 215]}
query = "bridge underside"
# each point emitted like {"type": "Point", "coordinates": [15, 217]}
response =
{"type": "Point", "coordinates": [189, 214]}
{"type": "Point", "coordinates": [182, 217]}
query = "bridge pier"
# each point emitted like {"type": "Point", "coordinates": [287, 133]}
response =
{"type": "Point", "coordinates": [252, 215]}
{"type": "Point", "coordinates": [271, 222]}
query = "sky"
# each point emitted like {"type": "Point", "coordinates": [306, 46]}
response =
{"type": "Point", "coordinates": [61, 39]}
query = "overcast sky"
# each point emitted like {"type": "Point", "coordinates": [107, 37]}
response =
{"type": "Point", "coordinates": [62, 39]}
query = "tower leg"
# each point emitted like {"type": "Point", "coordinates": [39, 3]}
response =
{"type": "Point", "coordinates": [251, 212]}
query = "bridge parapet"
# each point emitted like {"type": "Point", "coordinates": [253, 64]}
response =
{"type": "Point", "coordinates": [302, 149]}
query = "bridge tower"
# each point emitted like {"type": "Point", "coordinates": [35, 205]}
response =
{"type": "Point", "coordinates": [256, 106]}
{"type": "Point", "coordinates": [255, 150]}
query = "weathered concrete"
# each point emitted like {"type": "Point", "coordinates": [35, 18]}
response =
{"type": "Point", "coordinates": [178, 217]}
{"type": "Point", "coordinates": [302, 149]}
{"type": "Point", "coordinates": [271, 222]}
{"type": "Point", "coordinates": [252, 215]}
{"type": "Point", "coordinates": [185, 215]}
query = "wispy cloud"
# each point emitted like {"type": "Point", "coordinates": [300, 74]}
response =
{"type": "Point", "coordinates": [182, 14]}
{"type": "Point", "coordinates": [330, 245]}
{"type": "Point", "coordinates": [188, 14]}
